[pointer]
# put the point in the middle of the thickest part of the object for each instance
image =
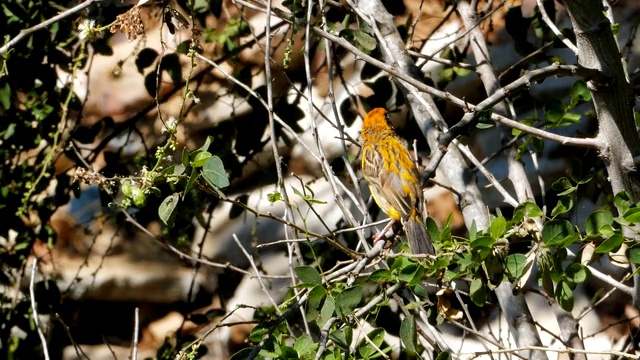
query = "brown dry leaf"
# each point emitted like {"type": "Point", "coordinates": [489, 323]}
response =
{"type": "Point", "coordinates": [444, 305]}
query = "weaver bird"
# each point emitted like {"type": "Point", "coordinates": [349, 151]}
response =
{"type": "Point", "coordinates": [393, 179]}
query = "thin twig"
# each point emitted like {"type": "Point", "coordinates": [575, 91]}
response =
{"type": "Point", "coordinates": [496, 184]}
{"type": "Point", "coordinates": [136, 329]}
{"type": "Point", "coordinates": [43, 25]}
{"type": "Point", "coordinates": [34, 309]}
{"type": "Point", "coordinates": [547, 20]}
{"type": "Point", "coordinates": [257, 274]}
{"type": "Point", "coordinates": [559, 351]}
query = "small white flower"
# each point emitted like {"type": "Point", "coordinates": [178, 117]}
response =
{"type": "Point", "coordinates": [86, 29]}
{"type": "Point", "coordinates": [193, 96]}
{"type": "Point", "coordinates": [170, 126]}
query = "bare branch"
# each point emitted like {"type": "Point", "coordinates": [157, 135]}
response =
{"type": "Point", "coordinates": [136, 330]}
{"type": "Point", "coordinates": [34, 309]}
{"type": "Point", "coordinates": [546, 135]}
{"type": "Point", "coordinates": [551, 24]}
{"type": "Point", "coordinates": [43, 25]}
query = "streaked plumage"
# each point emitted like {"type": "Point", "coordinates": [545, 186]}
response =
{"type": "Point", "coordinates": [393, 178]}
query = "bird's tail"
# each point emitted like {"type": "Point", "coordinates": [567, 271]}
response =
{"type": "Point", "coordinates": [417, 236]}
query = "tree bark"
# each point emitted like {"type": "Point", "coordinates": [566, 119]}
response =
{"type": "Point", "coordinates": [613, 102]}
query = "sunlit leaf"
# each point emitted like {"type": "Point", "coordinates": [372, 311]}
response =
{"type": "Point", "coordinates": [596, 220]}
{"type": "Point", "coordinates": [515, 265]}
{"type": "Point", "coordinates": [576, 273]}
{"type": "Point", "coordinates": [612, 243]}
{"type": "Point", "coordinates": [564, 295]}
{"type": "Point", "coordinates": [166, 210]}
{"type": "Point", "coordinates": [632, 215]}
{"type": "Point", "coordinates": [555, 232]}
{"type": "Point", "coordinates": [214, 173]}
{"type": "Point", "coordinates": [564, 205]}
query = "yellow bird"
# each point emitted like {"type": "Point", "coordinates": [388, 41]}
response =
{"type": "Point", "coordinates": [393, 178]}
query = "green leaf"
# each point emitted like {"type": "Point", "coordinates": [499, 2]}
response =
{"type": "Point", "coordinates": [498, 226]}
{"type": "Point", "coordinates": [580, 91]}
{"type": "Point", "coordinates": [483, 126]}
{"type": "Point", "coordinates": [564, 295]}
{"type": "Point", "coordinates": [176, 170]}
{"type": "Point", "coordinates": [366, 41]}
{"type": "Point", "coordinates": [622, 202]}
{"type": "Point", "coordinates": [317, 293]}
{"type": "Point", "coordinates": [207, 143]}
{"type": "Point", "coordinates": [564, 205]}
{"type": "Point", "coordinates": [443, 356]}
{"type": "Point", "coordinates": [608, 230]}
{"type": "Point", "coordinates": [5, 96]}
{"type": "Point", "coordinates": [564, 186]}
{"type": "Point", "coordinates": [478, 292]}
{"type": "Point", "coordinates": [554, 109]}
{"type": "Point", "coordinates": [634, 255]}
{"type": "Point", "coordinates": [381, 275]}
{"type": "Point", "coordinates": [186, 158]}
{"type": "Point", "coordinates": [556, 229]}
{"type": "Point", "coordinates": [576, 273]}
{"type": "Point", "coordinates": [258, 333]}
{"type": "Point", "coordinates": [342, 338]}
{"type": "Point", "coordinates": [286, 352]}
{"type": "Point", "coordinates": [408, 334]}
{"type": "Point", "coordinates": [632, 215]}
{"type": "Point", "coordinates": [274, 197]}
{"type": "Point", "coordinates": [556, 232]}
{"type": "Point", "coordinates": [581, 173]}
{"type": "Point", "coordinates": [328, 308]}
{"type": "Point", "coordinates": [612, 243]}
{"type": "Point", "coordinates": [569, 118]}
{"type": "Point", "coordinates": [214, 173]}
{"type": "Point", "coordinates": [308, 275]}
{"type": "Point", "coordinates": [433, 230]}
{"type": "Point", "coordinates": [347, 300]}
{"type": "Point", "coordinates": [200, 158]}
{"type": "Point", "coordinates": [483, 242]}
{"type": "Point", "coordinates": [191, 182]}
{"type": "Point", "coordinates": [406, 272]}
{"type": "Point", "coordinates": [400, 263]}
{"type": "Point", "coordinates": [307, 197]}
{"type": "Point", "coordinates": [368, 350]}
{"type": "Point", "coordinates": [411, 274]}
{"type": "Point", "coordinates": [515, 265]}
{"type": "Point", "coordinates": [615, 28]}
{"type": "Point", "coordinates": [545, 277]}
{"type": "Point", "coordinates": [597, 220]}
{"type": "Point", "coordinates": [526, 209]}
{"type": "Point", "coordinates": [473, 231]}
{"type": "Point", "coordinates": [304, 345]}
{"type": "Point", "coordinates": [166, 210]}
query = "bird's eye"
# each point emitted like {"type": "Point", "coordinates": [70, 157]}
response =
{"type": "Point", "coordinates": [388, 119]}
